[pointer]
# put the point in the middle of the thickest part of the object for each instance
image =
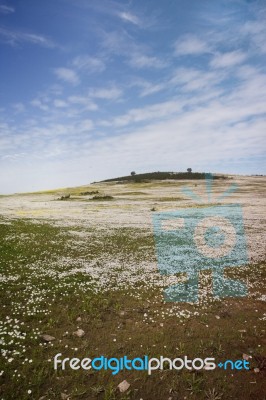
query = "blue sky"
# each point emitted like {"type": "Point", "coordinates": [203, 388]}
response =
{"type": "Point", "coordinates": [95, 89]}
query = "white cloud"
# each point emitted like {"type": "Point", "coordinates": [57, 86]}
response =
{"type": "Point", "coordinates": [116, 42]}
{"type": "Point", "coordinates": [255, 31]}
{"type": "Point", "coordinates": [39, 104]}
{"type": "Point", "coordinates": [182, 80]}
{"type": "Point", "coordinates": [112, 93]}
{"type": "Point", "coordinates": [150, 88]}
{"type": "Point", "coordinates": [85, 101]}
{"type": "Point", "coordinates": [205, 134]}
{"type": "Point", "coordinates": [129, 17]}
{"type": "Point", "coordinates": [139, 60]}
{"type": "Point", "coordinates": [230, 59]}
{"type": "Point", "coordinates": [136, 55]}
{"type": "Point", "coordinates": [212, 103]}
{"type": "Point", "coordinates": [91, 64]}
{"type": "Point", "coordinates": [16, 37]}
{"type": "Point", "coordinates": [6, 9]}
{"type": "Point", "coordinates": [37, 39]}
{"type": "Point", "coordinates": [209, 115]}
{"type": "Point", "coordinates": [191, 45]}
{"type": "Point", "coordinates": [145, 114]}
{"type": "Point", "coordinates": [190, 79]}
{"type": "Point", "coordinates": [67, 75]}
{"type": "Point", "coordinates": [60, 103]}
{"type": "Point", "coordinates": [85, 125]}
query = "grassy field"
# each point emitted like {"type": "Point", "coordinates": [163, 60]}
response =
{"type": "Point", "coordinates": [91, 265]}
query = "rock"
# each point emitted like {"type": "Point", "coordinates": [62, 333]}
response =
{"type": "Point", "coordinates": [47, 338]}
{"type": "Point", "coordinates": [79, 333]}
{"type": "Point", "coordinates": [217, 317]}
{"type": "Point", "coordinates": [122, 313]}
{"type": "Point", "coordinates": [64, 396]}
{"type": "Point", "coordinates": [123, 386]}
{"type": "Point", "coordinates": [246, 357]}
{"type": "Point", "coordinates": [78, 319]}
{"type": "Point", "coordinates": [256, 370]}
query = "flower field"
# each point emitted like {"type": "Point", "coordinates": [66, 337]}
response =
{"type": "Point", "coordinates": [90, 263]}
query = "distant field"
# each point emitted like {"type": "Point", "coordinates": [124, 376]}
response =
{"type": "Point", "coordinates": [80, 263]}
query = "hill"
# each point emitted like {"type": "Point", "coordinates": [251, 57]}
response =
{"type": "Point", "coordinates": [162, 176]}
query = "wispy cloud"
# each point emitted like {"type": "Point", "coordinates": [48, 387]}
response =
{"type": "Point", "coordinates": [84, 101]}
{"type": "Point", "coordinates": [256, 32]}
{"type": "Point", "coordinates": [140, 60]}
{"type": "Point", "coordinates": [118, 42]}
{"type": "Point", "coordinates": [159, 103]}
{"type": "Point", "coordinates": [4, 9]}
{"type": "Point", "coordinates": [67, 75]}
{"type": "Point", "coordinates": [88, 63]}
{"type": "Point", "coordinates": [136, 54]}
{"type": "Point", "coordinates": [15, 37]}
{"type": "Point", "coordinates": [85, 126]}
{"type": "Point", "coordinates": [55, 106]}
{"type": "Point", "coordinates": [129, 17]}
{"type": "Point", "coordinates": [113, 9]}
{"type": "Point", "coordinates": [58, 103]}
{"type": "Point", "coordinates": [152, 88]}
{"type": "Point", "coordinates": [153, 112]}
{"type": "Point", "coordinates": [146, 87]}
{"type": "Point", "coordinates": [223, 129]}
{"type": "Point", "coordinates": [229, 59]}
{"type": "Point", "coordinates": [112, 93]}
{"type": "Point", "coordinates": [39, 104]}
{"type": "Point", "coordinates": [192, 79]}
{"type": "Point", "coordinates": [191, 45]}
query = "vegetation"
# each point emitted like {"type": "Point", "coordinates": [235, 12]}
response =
{"type": "Point", "coordinates": [93, 266]}
{"type": "Point", "coordinates": [64, 197]}
{"type": "Point", "coordinates": [102, 197]}
{"type": "Point", "coordinates": [90, 193]}
{"type": "Point", "coordinates": [122, 321]}
{"type": "Point", "coordinates": [162, 176]}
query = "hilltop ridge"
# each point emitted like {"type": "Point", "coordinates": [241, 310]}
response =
{"type": "Point", "coordinates": [162, 176]}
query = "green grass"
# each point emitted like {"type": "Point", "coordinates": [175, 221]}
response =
{"type": "Point", "coordinates": [33, 258]}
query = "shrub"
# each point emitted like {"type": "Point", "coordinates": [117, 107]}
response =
{"type": "Point", "coordinates": [89, 193]}
{"type": "Point", "coordinates": [65, 197]}
{"type": "Point", "coordinates": [102, 197]}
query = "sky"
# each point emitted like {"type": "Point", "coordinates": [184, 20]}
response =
{"type": "Point", "coordinates": [91, 89]}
